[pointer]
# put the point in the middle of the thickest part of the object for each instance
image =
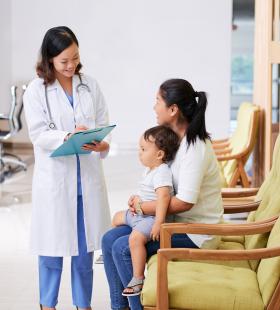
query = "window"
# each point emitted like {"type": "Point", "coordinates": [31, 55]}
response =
{"type": "Point", "coordinates": [242, 75]}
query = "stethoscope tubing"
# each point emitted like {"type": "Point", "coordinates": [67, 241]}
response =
{"type": "Point", "coordinates": [51, 122]}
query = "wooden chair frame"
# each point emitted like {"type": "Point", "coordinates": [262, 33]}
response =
{"type": "Point", "coordinates": [225, 154]}
{"type": "Point", "coordinates": [165, 254]}
{"type": "Point", "coordinates": [239, 192]}
{"type": "Point", "coordinates": [238, 196]}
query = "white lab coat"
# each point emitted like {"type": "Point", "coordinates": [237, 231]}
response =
{"type": "Point", "coordinates": [54, 190]}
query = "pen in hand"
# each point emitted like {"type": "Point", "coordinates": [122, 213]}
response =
{"type": "Point", "coordinates": [78, 128]}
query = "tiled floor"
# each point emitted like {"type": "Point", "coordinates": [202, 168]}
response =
{"type": "Point", "coordinates": [18, 269]}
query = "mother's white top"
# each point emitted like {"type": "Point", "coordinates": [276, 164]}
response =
{"type": "Point", "coordinates": [196, 180]}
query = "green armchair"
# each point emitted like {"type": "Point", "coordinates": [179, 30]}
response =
{"type": "Point", "coordinates": [234, 152]}
{"type": "Point", "coordinates": [200, 285]}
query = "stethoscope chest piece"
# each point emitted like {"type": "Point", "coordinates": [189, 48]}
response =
{"type": "Point", "coordinates": [52, 125]}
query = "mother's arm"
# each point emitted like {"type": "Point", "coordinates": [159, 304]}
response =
{"type": "Point", "coordinates": [149, 207]}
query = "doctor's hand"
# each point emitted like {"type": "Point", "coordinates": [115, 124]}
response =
{"type": "Point", "coordinates": [96, 146]}
{"type": "Point", "coordinates": [80, 128]}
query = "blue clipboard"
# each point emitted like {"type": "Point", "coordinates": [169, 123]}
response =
{"type": "Point", "coordinates": [74, 144]}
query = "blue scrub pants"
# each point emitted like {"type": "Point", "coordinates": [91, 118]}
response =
{"type": "Point", "coordinates": [50, 269]}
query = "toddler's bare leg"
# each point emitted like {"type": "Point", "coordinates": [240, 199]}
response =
{"type": "Point", "coordinates": [138, 251]}
{"type": "Point", "coordinates": [119, 218]}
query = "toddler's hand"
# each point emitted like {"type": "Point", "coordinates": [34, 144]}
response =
{"type": "Point", "coordinates": [155, 233]}
{"type": "Point", "coordinates": [132, 202]}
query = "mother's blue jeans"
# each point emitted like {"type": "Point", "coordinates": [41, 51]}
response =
{"type": "Point", "coordinates": [118, 265]}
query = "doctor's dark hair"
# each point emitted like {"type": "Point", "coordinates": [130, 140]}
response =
{"type": "Point", "coordinates": [191, 104]}
{"type": "Point", "coordinates": [165, 139]}
{"type": "Point", "coordinates": [55, 41]}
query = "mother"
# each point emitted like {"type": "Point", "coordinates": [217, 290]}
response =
{"type": "Point", "coordinates": [196, 182]}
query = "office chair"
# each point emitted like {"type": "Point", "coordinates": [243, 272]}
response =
{"type": "Point", "coordinates": [10, 163]}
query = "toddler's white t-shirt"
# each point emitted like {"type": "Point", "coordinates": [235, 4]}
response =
{"type": "Point", "coordinates": [153, 179]}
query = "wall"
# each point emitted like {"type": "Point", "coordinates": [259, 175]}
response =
{"type": "Point", "coordinates": [133, 46]}
{"type": "Point", "coordinates": [5, 55]}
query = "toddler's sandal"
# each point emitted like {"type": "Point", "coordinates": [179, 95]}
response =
{"type": "Point", "coordinates": [135, 286]}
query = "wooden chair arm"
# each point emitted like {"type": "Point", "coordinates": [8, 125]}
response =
{"type": "Point", "coordinates": [224, 151]}
{"type": "Point", "coordinates": [218, 141]}
{"type": "Point", "coordinates": [205, 254]}
{"type": "Point", "coordinates": [168, 229]}
{"type": "Point", "coordinates": [239, 192]}
{"type": "Point", "coordinates": [232, 156]}
{"type": "Point", "coordinates": [245, 207]}
{"type": "Point", "coordinates": [217, 146]}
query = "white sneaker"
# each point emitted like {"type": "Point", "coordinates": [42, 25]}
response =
{"type": "Point", "coordinates": [99, 260]}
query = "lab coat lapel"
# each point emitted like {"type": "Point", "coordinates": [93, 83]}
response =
{"type": "Point", "coordinates": [65, 108]}
{"type": "Point", "coordinates": [75, 83]}
{"type": "Point", "coordinates": [63, 100]}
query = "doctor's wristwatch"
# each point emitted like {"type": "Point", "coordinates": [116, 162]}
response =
{"type": "Point", "coordinates": [138, 208]}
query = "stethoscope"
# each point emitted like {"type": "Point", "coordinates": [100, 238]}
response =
{"type": "Point", "coordinates": [80, 86]}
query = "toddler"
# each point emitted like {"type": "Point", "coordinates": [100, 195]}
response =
{"type": "Point", "coordinates": [157, 147]}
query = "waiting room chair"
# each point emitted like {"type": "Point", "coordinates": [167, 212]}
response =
{"type": "Point", "coordinates": [198, 285]}
{"type": "Point", "coordinates": [14, 125]}
{"type": "Point", "coordinates": [251, 235]}
{"type": "Point", "coordinates": [252, 196]}
{"type": "Point", "coordinates": [233, 153]}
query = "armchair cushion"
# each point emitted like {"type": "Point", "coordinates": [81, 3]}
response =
{"type": "Point", "coordinates": [269, 269]}
{"type": "Point", "coordinates": [237, 287]}
{"type": "Point", "coordinates": [228, 245]}
{"type": "Point", "coordinates": [270, 203]}
{"type": "Point", "coordinates": [238, 239]}
{"type": "Point", "coordinates": [269, 207]}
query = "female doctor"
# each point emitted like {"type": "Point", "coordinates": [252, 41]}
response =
{"type": "Point", "coordinates": [70, 206]}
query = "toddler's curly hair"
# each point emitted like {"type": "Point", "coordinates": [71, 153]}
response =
{"type": "Point", "coordinates": [165, 139]}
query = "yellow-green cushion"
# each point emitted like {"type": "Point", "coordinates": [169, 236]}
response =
{"type": "Point", "coordinates": [239, 239]}
{"type": "Point", "coordinates": [269, 206]}
{"type": "Point", "coordinates": [268, 273]}
{"type": "Point", "coordinates": [203, 286]}
{"type": "Point", "coordinates": [222, 176]}
{"type": "Point", "coordinates": [274, 173]}
{"type": "Point", "coordinates": [270, 203]}
{"type": "Point", "coordinates": [230, 245]}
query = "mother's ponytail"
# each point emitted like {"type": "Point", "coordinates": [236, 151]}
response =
{"type": "Point", "coordinates": [197, 127]}
{"type": "Point", "coordinates": [191, 104]}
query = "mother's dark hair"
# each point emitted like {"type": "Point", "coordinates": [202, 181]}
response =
{"type": "Point", "coordinates": [55, 41]}
{"type": "Point", "coordinates": [191, 104]}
